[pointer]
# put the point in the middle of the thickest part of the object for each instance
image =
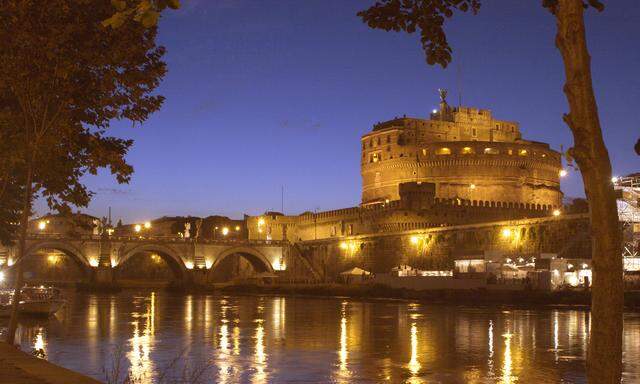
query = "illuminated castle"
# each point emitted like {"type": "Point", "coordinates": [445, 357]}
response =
{"type": "Point", "coordinates": [466, 153]}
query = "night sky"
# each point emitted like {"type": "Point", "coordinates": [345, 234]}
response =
{"type": "Point", "coordinates": [262, 94]}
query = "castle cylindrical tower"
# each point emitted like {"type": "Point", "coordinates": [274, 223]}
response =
{"type": "Point", "coordinates": [466, 153]}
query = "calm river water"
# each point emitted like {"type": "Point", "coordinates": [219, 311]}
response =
{"type": "Point", "coordinates": [158, 337]}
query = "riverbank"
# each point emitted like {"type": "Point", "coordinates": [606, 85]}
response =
{"type": "Point", "coordinates": [520, 298]}
{"type": "Point", "coordinates": [18, 367]}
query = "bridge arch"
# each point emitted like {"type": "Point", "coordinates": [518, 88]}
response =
{"type": "Point", "coordinates": [168, 254]}
{"type": "Point", "coordinates": [257, 259]}
{"type": "Point", "coordinates": [67, 248]}
{"type": "Point", "coordinates": [55, 270]}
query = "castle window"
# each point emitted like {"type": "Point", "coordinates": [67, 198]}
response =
{"type": "Point", "coordinates": [376, 157]}
{"type": "Point", "coordinates": [370, 143]}
{"type": "Point", "coordinates": [424, 152]}
{"type": "Point", "coordinates": [510, 151]}
{"type": "Point", "coordinates": [388, 139]}
{"type": "Point", "coordinates": [491, 151]}
{"type": "Point", "coordinates": [364, 145]}
{"type": "Point", "coordinates": [466, 151]}
{"type": "Point", "coordinates": [523, 152]}
{"type": "Point", "coordinates": [388, 148]}
{"type": "Point", "coordinates": [443, 151]}
{"type": "Point", "coordinates": [474, 132]}
{"type": "Point", "coordinates": [378, 140]}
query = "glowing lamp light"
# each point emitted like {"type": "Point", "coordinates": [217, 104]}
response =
{"type": "Point", "coordinates": [556, 212]}
{"type": "Point", "coordinates": [93, 262]}
{"type": "Point", "coordinates": [584, 266]}
{"type": "Point", "coordinates": [563, 173]}
{"type": "Point", "coordinates": [237, 227]}
{"type": "Point", "coordinates": [147, 225]}
{"type": "Point", "coordinates": [614, 179]}
{"type": "Point", "coordinates": [137, 228]}
{"type": "Point", "coordinates": [414, 240]}
{"type": "Point", "coordinates": [434, 111]}
{"type": "Point", "coordinates": [344, 246]}
{"type": "Point", "coordinates": [506, 233]}
{"type": "Point", "coordinates": [279, 266]}
{"type": "Point", "coordinates": [472, 186]}
{"type": "Point", "coordinates": [114, 263]}
{"type": "Point", "coordinates": [42, 225]}
{"type": "Point", "coordinates": [570, 266]}
{"type": "Point", "coordinates": [225, 231]}
{"type": "Point", "coordinates": [110, 231]}
{"type": "Point", "coordinates": [208, 263]}
{"type": "Point", "coordinates": [261, 222]}
{"type": "Point", "coordinates": [10, 262]}
{"type": "Point", "coordinates": [188, 264]}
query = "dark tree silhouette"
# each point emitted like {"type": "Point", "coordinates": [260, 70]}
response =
{"type": "Point", "coordinates": [63, 78]}
{"type": "Point", "coordinates": [604, 362]}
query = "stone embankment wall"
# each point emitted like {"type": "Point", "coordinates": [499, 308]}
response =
{"type": "Point", "coordinates": [436, 248]}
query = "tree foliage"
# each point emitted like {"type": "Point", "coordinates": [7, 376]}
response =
{"type": "Point", "coordinates": [63, 79]}
{"type": "Point", "coordinates": [146, 12]}
{"type": "Point", "coordinates": [428, 17]}
{"type": "Point", "coordinates": [11, 191]}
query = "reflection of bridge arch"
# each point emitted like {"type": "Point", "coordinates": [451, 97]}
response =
{"type": "Point", "coordinates": [258, 260]}
{"type": "Point", "coordinates": [67, 248]}
{"type": "Point", "coordinates": [168, 254]}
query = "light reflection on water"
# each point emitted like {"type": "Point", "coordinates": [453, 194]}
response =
{"type": "Point", "coordinates": [265, 339]}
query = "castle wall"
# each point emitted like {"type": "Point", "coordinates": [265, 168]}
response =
{"type": "Point", "coordinates": [466, 152]}
{"type": "Point", "coordinates": [435, 248]}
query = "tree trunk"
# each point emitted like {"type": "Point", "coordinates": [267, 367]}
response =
{"type": "Point", "coordinates": [604, 358]}
{"type": "Point", "coordinates": [20, 257]}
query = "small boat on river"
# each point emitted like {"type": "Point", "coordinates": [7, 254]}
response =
{"type": "Point", "coordinates": [34, 301]}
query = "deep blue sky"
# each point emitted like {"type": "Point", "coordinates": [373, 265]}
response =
{"type": "Point", "coordinates": [263, 93]}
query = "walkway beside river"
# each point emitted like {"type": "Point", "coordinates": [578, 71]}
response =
{"type": "Point", "coordinates": [18, 367]}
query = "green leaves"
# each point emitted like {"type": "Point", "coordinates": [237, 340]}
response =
{"type": "Point", "coordinates": [425, 16]}
{"type": "Point", "coordinates": [63, 80]}
{"type": "Point", "coordinates": [146, 12]}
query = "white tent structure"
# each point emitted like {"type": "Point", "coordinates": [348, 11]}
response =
{"type": "Point", "coordinates": [355, 271]}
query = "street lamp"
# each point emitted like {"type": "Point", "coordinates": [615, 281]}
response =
{"type": "Point", "coordinates": [147, 224]}
{"type": "Point", "coordinates": [137, 228]}
{"type": "Point", "coordinates": [563, 173]}
{"type": "Point", "coordinates": [556, 212]}
{"type": "Point", "coordinates": [42, 225]}
{"type": "Point", "coordinates": [225, 231]}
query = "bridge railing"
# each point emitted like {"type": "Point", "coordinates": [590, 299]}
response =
{"type": "Point", "coordinates": [142, 238]}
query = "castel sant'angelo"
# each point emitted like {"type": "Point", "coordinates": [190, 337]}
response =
{"type": "Point", "coordinates": [459, 166]}
{"type": "Point", "coordinates": [465, 152]}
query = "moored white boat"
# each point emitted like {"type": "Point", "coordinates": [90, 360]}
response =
{"type": "Point", "coordinates": [34, 301]}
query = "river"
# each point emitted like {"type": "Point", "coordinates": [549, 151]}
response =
{"type": "Point", "coordinates": [162, 337]}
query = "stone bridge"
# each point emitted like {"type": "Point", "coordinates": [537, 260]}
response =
{"type": "Point", "coordinates": [431, 248]}
{"type": "Point", "coordinates": [97, 256]}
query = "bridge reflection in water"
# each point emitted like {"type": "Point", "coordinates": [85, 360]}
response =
{"type": "Point", "coordinates": [229, 339]}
